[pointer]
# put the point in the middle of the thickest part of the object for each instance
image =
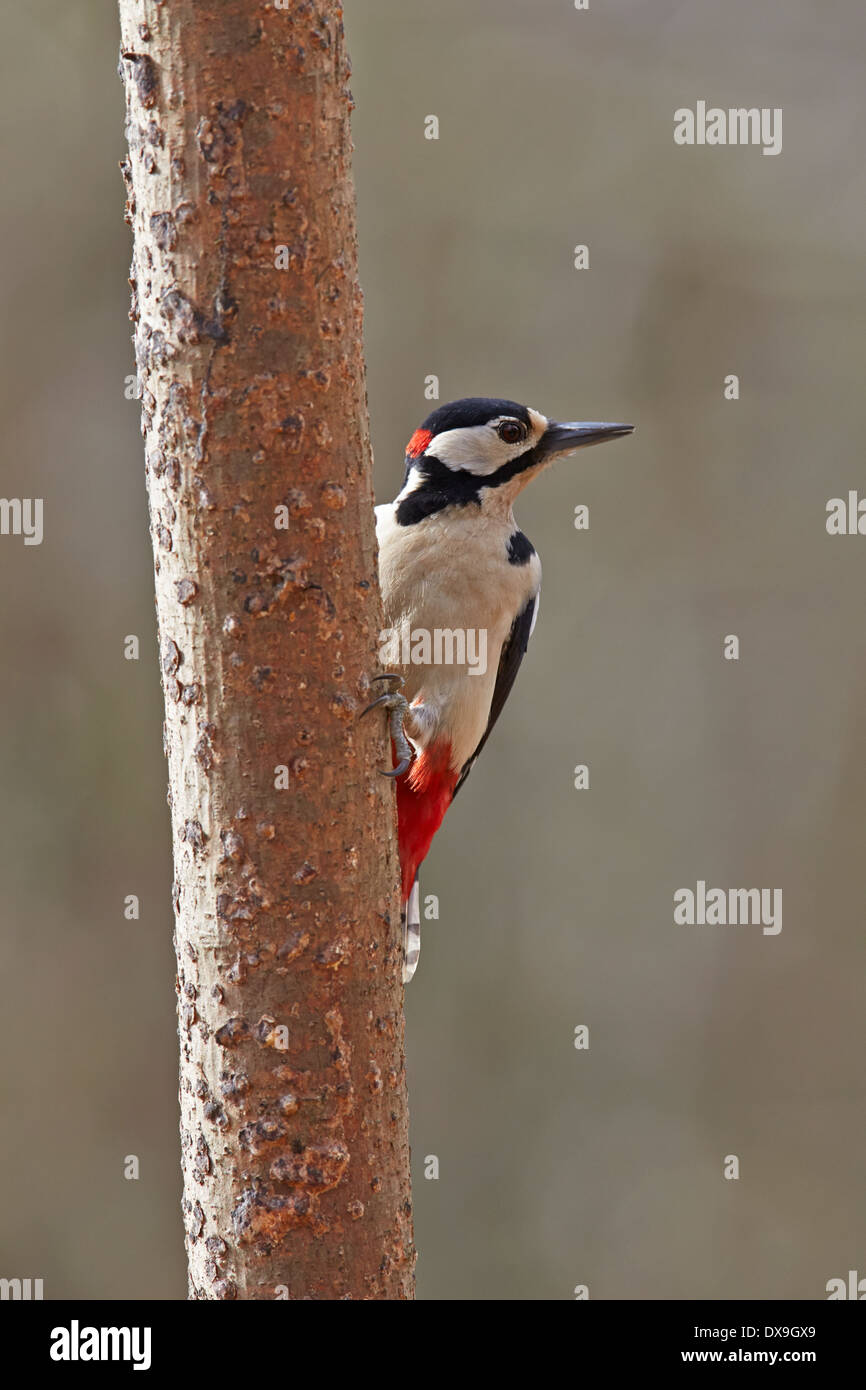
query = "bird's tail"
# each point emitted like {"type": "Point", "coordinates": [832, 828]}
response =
{"type": "Point", "coordinates": [411, 920]}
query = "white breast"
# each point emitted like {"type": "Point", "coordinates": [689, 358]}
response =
{"type": "Point", "coordinates": [450, 573]}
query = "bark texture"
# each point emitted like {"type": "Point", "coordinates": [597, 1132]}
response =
{"type": "Point", "coordinates": [248, 340]}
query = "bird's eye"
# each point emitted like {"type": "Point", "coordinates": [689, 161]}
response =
{"type": "Point", "coordinates": [511, 431]}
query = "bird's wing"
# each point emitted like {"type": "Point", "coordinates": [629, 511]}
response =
{"type": "Point", "coordinates": [509, 664]}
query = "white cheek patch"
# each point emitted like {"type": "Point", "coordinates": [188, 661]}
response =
{"type": "Point", "coordinates": [478, 449]}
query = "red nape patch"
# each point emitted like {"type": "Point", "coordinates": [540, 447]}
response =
{"type": "Point", "coordinates": [423, 797]}
{"type": "Point", "coordinates": [418, 443]}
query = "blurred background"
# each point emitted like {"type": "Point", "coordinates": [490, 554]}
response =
{"type": "Point", "coordinates": [557, 1167]}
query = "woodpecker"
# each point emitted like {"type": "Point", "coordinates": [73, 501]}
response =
{"type": "Point", "coordinates": [460, 584]}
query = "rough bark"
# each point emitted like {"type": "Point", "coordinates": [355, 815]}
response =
{"type": "Point", "coordinates": [293, 1098]}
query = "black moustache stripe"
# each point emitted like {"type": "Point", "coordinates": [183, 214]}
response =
{"type": "Point", "coordinates": [443, 487]}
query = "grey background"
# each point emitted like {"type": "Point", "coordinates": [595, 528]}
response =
{"type": "Point", "coordinates": [557, 1167]}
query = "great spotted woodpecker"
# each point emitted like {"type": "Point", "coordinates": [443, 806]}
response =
{"type": "Point", "coordinates": [460, 583]}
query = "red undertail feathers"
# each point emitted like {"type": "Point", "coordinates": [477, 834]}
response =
{"type": "Point", "coordinates": [423, 797]}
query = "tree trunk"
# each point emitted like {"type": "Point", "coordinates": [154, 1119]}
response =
{"type": "Point", "coordinates": [247, 315]}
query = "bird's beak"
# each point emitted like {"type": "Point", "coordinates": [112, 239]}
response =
{"type": "Point", "coordinates": [576, 434]}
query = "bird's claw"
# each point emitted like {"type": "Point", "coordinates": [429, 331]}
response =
{"type": "Point", "coordinates": [397, 706]}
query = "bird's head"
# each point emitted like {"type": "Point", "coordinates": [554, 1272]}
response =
{"type": "Point", "coordinates": [469, 446]}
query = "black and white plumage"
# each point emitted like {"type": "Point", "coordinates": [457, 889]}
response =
{"type": "Point", "coordinates": [453, 562]}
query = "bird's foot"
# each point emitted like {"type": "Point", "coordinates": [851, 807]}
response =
{"type": "Point", "coordinates": [398, 707]}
